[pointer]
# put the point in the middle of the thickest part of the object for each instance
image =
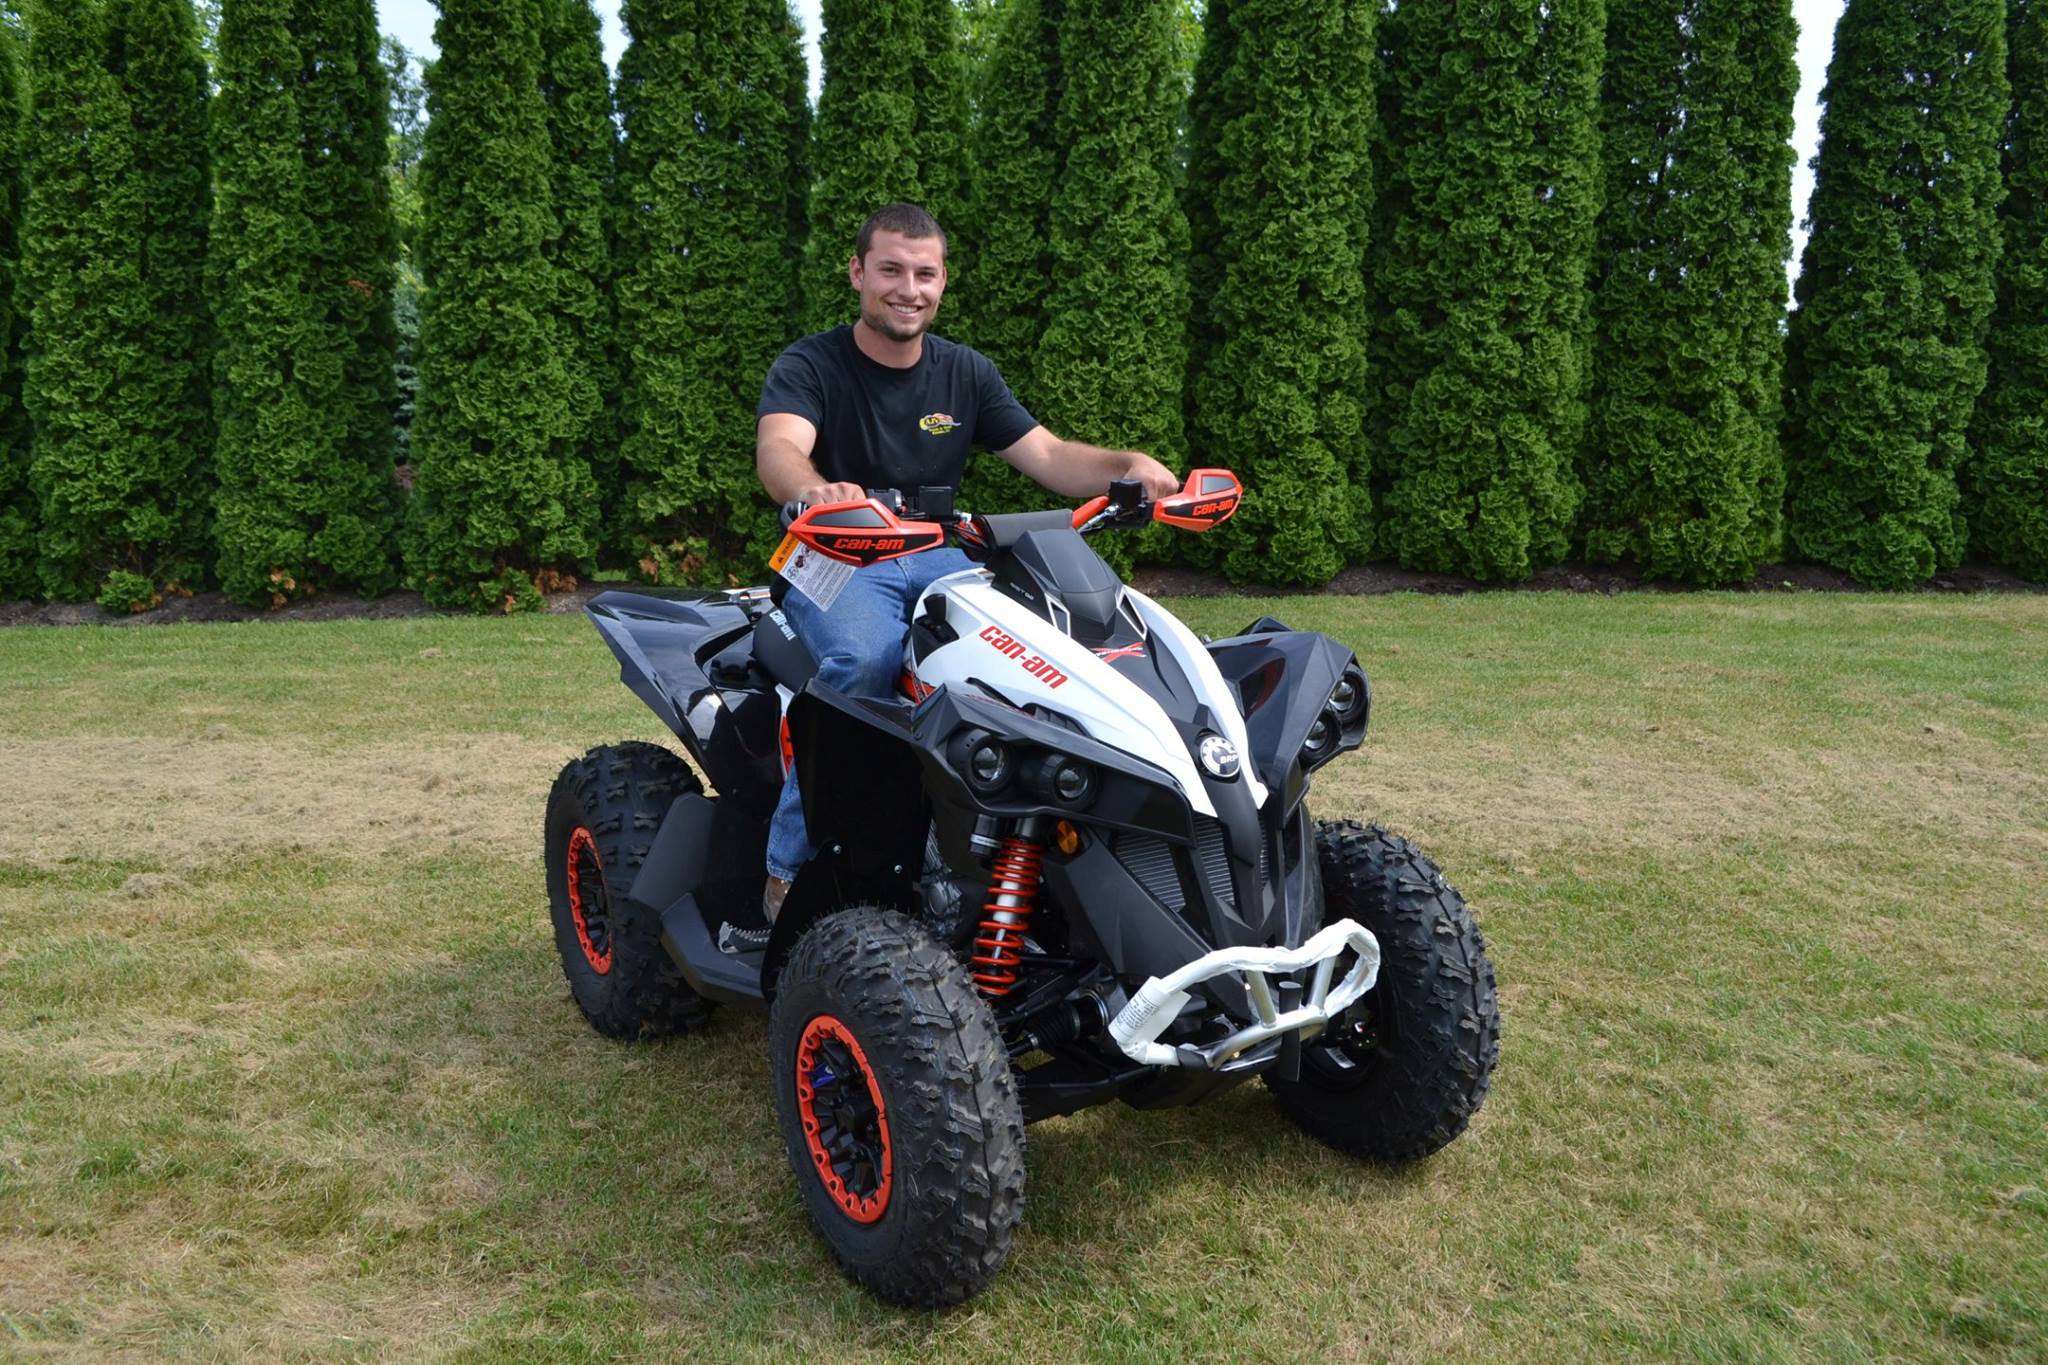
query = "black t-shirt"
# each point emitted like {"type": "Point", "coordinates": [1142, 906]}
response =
{"type": "Point", "coordinates": [883, 427]}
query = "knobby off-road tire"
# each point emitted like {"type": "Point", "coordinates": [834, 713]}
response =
{"type": "Point", "coordinates": [601, 819]}
{"type": "Point", "coordinates": [917, 1196]}
{"type": "Point", "coordinates": [1402, 1072]}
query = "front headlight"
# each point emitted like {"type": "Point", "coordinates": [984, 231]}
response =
{"type": "Point", "coordinates": [1347, 698]}
{"type": "Point", "coordinates": [1322, 738]}
{"type": "Point", "coordinates": [1066, 780]}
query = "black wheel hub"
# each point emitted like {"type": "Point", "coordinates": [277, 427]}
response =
{"type": "Point", "coordinates": [849, 1124]}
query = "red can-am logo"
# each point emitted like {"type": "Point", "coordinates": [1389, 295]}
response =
{"type": "Point", "coordinates": [1029, 662]}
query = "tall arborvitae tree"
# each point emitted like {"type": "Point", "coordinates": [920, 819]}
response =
{"type": "Point", "coordinates": [863, 145]}
{"type": "Point", "coordinates": [891, 127]}
{"type": "Point", "coordinates": [1488, 184]}
{"type": "Point", "coordinates": [114, 244]}
{"type": "Point", "coordinates": [2008, 470]}
{"type": "Point", "coordinates": [577, 88]}
{"type": "Point", "coordinates": [1016, 164]}
{"type": "Point", "coordinates": [1113, 360]}
{"type": "Point", "coordinates": [1216, 101]}
{"type": "Point", "coordinates": [941, 139]}
{"type": "Point", "coordinates": [711, 179]}
{"type": "Point", "coordinates": [502, 504]}
{"type": "Point", "coordinates": [1683, 469]}
{"type": "Point", "coordinates": [344, 127]}
{"type": "Point", "coordinates": [1281, 318]}
{"type": "Point", "coordinates": [154, 53]}
{"type": "Point", "coordinates": [1886, 352]}
{"type": "Point", "coordinates": [17, 502]}
{"type": "Point", "coordinates": [302, 284]}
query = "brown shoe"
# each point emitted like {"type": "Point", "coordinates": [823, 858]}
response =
{"type": "Point", "coordinates": [773, 894]}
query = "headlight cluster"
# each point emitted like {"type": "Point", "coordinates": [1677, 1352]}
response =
{"type": "Point", "coordinates": [992, 766]}
{"type": "Point", "coordinates": [1345, 705]}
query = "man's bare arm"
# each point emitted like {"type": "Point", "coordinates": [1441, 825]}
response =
{"type": "Point", "coordinates": [783, 443]}
{"type": "Point", "coordinates": [1075, 469]}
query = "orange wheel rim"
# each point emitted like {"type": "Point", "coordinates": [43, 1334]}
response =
{"type": "Point", "coordinates": [846, 1124]}
{"type": "Point", "coordinates": [589, 901]}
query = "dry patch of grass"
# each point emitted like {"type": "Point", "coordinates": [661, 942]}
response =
{"type": "Point", "coordinates": [287, 1068]}
{"type": "Point", "coordinates": [184, 803]}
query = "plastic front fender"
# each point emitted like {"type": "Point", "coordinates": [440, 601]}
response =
{"type": "Point", "coordinates": [1283, 677]}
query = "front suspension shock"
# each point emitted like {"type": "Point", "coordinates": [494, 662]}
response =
{"type": "Point", "coordinates": [1012, 897]}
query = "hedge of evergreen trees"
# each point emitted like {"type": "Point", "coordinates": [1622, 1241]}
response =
{"type": "Point", "coordinates": [1110, 366]}
{"type": "Point", "coordinates": [1472, 292]}
{"type": "Point", "coordinates": [302, 284]}
{"type": "Point", "coordinates": [504, 502]}
{"type": "Point", "coordinates": [113, 246]}
{"type": "Point", "coordinates": [710, 227]}
{"type": "Point", "coordinates": [2008, 468]}
{"type": "Point", "coordinates": [889, 130]}
{"type": "Point", "coordinates": [1682, 465]}
{"type": "Point", "coordinates": [1281, 189]}
{"type": "Point", "coordinates": [17, 500]}
{"type": "Point", "coordinates": [1486, 170]}
{"type": "Point", "coordinates": [1886, 354]}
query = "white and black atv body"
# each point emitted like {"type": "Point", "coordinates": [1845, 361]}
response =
{"type": "Point", "coordinates": [1072, 862]}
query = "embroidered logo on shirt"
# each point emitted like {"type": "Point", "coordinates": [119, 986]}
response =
{"type": "Point", "coordinates": [936, 423]}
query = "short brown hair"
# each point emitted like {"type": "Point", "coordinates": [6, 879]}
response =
{"type": "Point", "coordinates": [907, 219]}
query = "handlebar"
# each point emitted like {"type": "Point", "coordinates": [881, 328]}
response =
{"type": "Point", "coordinates": [886, 525]}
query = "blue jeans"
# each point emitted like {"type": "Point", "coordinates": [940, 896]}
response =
{"type": "Point", "coordinates": [859, 647]}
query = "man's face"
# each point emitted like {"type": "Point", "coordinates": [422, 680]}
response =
{"type": "Point", "coordinates": [900, 282]}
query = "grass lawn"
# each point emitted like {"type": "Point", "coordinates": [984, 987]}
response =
{"type": "Point", "coordinates": [288, 1068]}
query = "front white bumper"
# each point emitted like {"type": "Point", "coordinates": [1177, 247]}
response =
{"type": "Point", "coordinates": [1158, 1002]}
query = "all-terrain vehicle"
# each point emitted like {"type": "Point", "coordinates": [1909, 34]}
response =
{"type": "Point", "coordinates": [1072, 862]}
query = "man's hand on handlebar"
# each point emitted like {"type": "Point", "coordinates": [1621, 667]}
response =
{"type": "Point", "coordinates": [830, 492]}
{"type": "Point", "coordinates": [1159, 481]}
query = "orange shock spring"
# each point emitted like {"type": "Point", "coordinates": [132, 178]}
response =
{"type": "Point", "coordinates": [1012, 896]}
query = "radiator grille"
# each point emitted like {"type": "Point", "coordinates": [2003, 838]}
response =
{"type": "Point", "coordinates": [1150, 862]}
{"type": "Point", "coordinates": [1212, 858]}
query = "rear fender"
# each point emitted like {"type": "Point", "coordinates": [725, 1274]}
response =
{"type": "Point", "coordinates": [662, 644]}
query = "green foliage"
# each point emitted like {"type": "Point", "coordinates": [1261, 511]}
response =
{"type": "Point", "coordinates": [711, 195]}
{"type": "Point", "coordinates": [1016, 163]}
{"type": "Point", "coordinates": [2008, 470]}
{"type": "Point", "coordinates": [1280, 296]}
{"type": "Point", "coordinates": [941, 141]}
{"type": "Point", "coordinates": [408, 114]}
{"type": "Point", "coordinates": [1488, 185]}
{"type": "Point", "coordinates": [1216, 101]}
{"type": "Point", "coordinates": [408, 121]}
{"type": "Point", "coordinates": [1886, 352]}
{"type": "Point", "coordinates": [501, 497]}
{"type": "Point", "coordinates": [891, 127]}
{"type": "Point", "coordinates": [1683, 469]}
{"type": "Point", "coordinates": [114, 237]}
{"type": "Point", "coordinates": [584, 140]}
{"type": "Point", "coordinates": [1113, 359]}
{"type": "Point", "coordinates": [17, 502]}
{"type": "Point", "coordinates": [302, 285]}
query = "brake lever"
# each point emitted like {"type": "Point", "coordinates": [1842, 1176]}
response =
{"type": "Point", "coordinates": [791, 511]}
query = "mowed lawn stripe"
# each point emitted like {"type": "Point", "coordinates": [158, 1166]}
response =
{"type": "Point", "coordinates": [287, 1067]}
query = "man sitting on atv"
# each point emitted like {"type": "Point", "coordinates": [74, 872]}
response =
{"type": "Point", "coordinates": [880, 405]}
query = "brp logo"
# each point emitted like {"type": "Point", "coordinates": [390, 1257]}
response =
{"type": "Point", "coordinates": [1219, 756]}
